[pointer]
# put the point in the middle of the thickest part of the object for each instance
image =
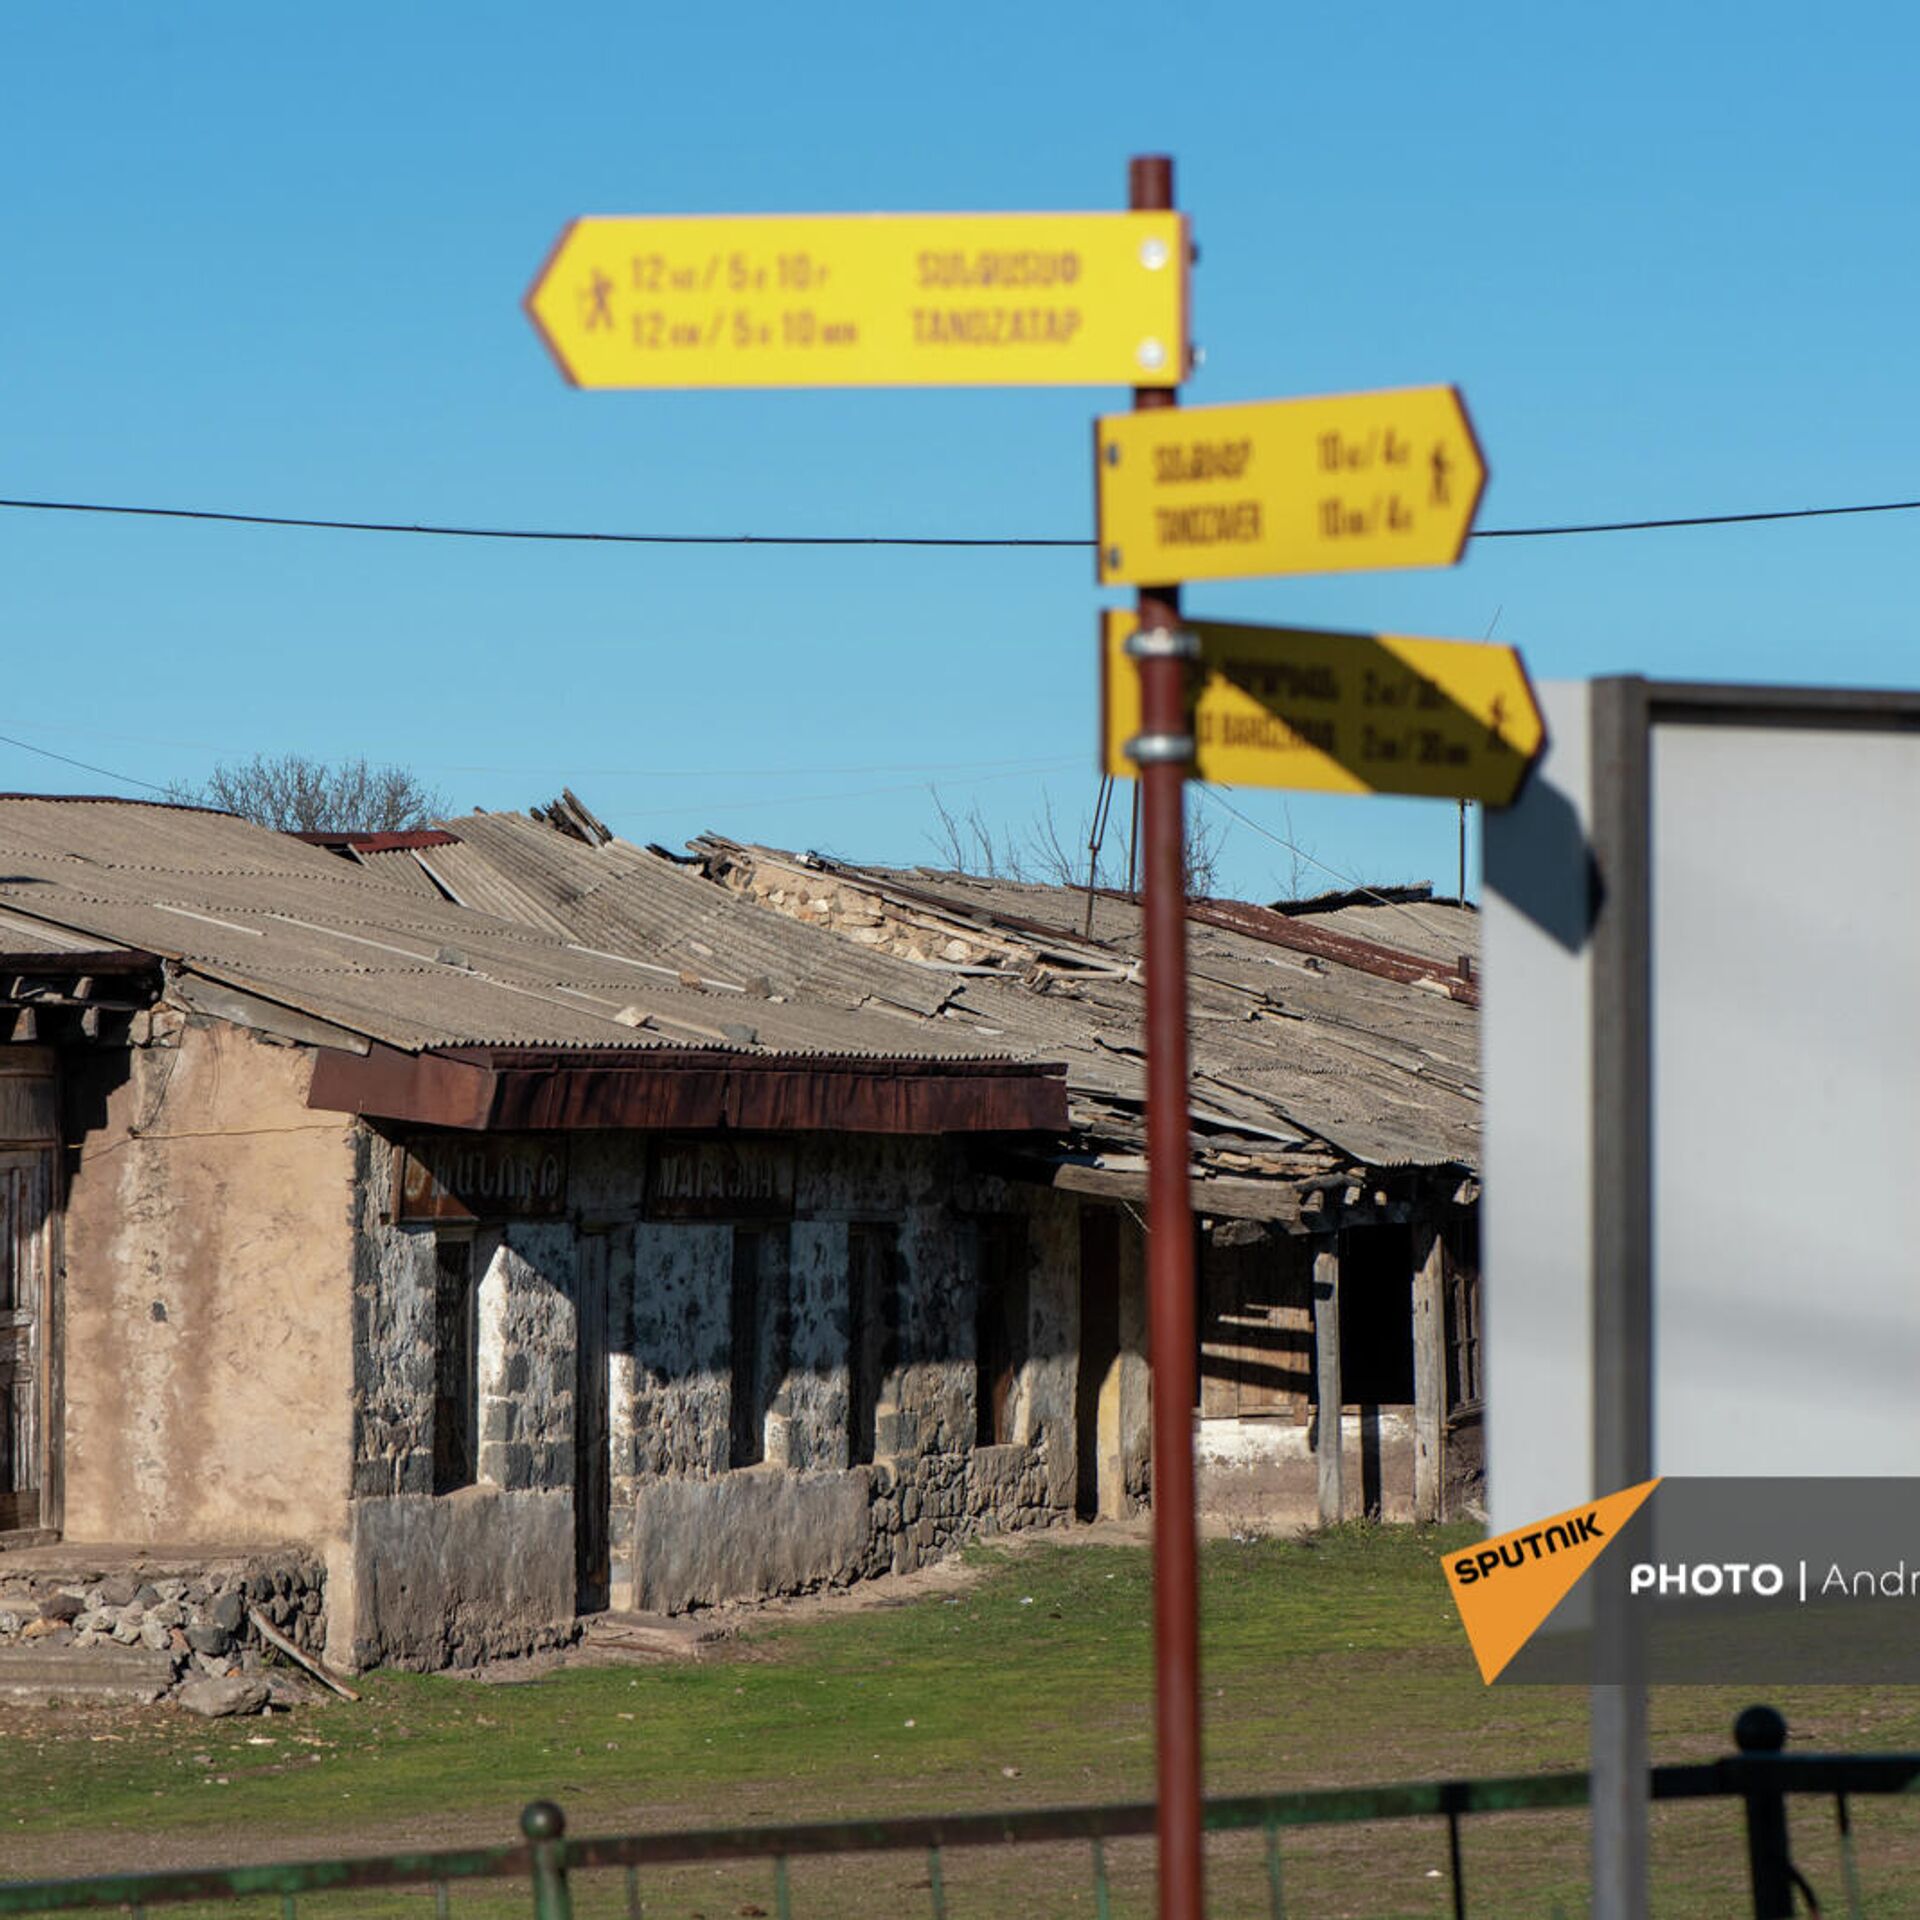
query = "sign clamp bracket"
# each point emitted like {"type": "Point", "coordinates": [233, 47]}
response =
{"type": "Point", "coordinates": [1160, 749]}
{"type": "Point", "coordinates": [1163, 643]}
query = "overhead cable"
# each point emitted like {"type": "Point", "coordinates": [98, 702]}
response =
{"type": "Point", "coordinates": [87, 766]}
{"type": "Point", "coordinates": [869, 539]}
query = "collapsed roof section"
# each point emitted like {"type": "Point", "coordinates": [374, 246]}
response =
{"type": "Point", "coordinates": [1323, 1056]}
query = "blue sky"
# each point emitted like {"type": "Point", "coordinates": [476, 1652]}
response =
{"type": "Point", "coordinates": [270, 259]}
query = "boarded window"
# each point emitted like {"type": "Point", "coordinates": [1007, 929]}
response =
{"type": "Point", "coordinates": [1000, 1326]}
{"type": "Point", "coordinates": [1256, 1322]}
{"type": "Point", "coordinates": [873, 1329]}
{"type": "Point", "coordinates": [760, 1338]}
{"type": "Point", "coordinates": [1463, 1314]}
{"type": "Point", "coordinates": [456, 1382]}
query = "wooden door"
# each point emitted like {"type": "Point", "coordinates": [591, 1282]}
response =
{"type": "Point", "coordinates": [26, 1179]}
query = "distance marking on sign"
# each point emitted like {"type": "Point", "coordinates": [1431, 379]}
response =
{"type": "Point", "coordinates": [1338, 712]}
{"type": "Point", "coordinates": [864, 300]}
{"type": "Point", "coordinates": [1332, 485]}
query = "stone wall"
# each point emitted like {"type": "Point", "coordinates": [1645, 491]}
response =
{"type": "Point", "coordinates": [865, 919]}
{"type": "Point", "coordinates": [393, 1338]}
{"type": "Point", "coordinates": [702, 1533]}
{"type": "Point", "coordinates": [687, 1526]}
{"type": "Point", "coordinates": [927, 1506]}
{"type": "Point", "coordinates": [421, 1579]}
{"type": "Point", "coordinates": [197, 1612]}
{"type": "Point", "coordinates": [681, 1349]}
{"type": "Point", "coordinates": [527, 1358]}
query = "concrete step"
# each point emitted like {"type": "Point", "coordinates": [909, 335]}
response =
{"type": "Point", "coordinates": [31, 1676]}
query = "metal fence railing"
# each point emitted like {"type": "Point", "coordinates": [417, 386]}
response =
{"type": "Point", "coordinates": [1761, 1774]}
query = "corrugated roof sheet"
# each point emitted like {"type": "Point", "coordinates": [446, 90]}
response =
{"type": "Point", "coordinates": [340, 940]}
{"type": "Point", "coordinates": [622, 898]}
{"type": "Point", "coordinates": [397, 865]}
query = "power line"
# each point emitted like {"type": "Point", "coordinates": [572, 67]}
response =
{"type": "Point", "coordinates": [542, 533]}
{"type": "Point", "coordinates": [1694, 520]}
{"type": "Point", "coordinates": [1211, 792]}
{"type": "Point", "coordinates": [125, 779]}
{"type": "Point", "coordinates": [868, 539]}
{"type": "Point", "coordinates": [1004, 770]}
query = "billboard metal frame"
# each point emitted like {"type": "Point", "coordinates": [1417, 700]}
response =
{"type": "Point", "coordinates": [1622, 716]}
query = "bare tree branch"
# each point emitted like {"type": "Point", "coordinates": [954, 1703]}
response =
{"type": "Point", "coordinates": [1047, 854]}
{"type": "Point", "coordinates": [965, 843]}
{"type": "Point", "coordinates": [294, 794]}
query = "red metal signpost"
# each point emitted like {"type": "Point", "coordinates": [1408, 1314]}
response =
{"type": "Point", "coordinates": [1163, 751]}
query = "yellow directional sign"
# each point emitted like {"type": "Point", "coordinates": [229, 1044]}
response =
{"type": "Point", "coordinates": [1332, 485]}
{"type": "Point", "coordinates": [1339, 712]}
{"type": "Point", "coordinates": [868, 300]}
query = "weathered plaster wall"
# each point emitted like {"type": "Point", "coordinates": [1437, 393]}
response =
{"type": "Point", "coordinates": [208, 1242]}
{"type": "Point", "coordinates": [1047, 1397]}
{"type": "Point", "coordinates": [759, 1530]}
{"type": "Point", "coordinates": [1256, 1476]}
{"type": "Point", "coordinates": [426, 1582]}
{"type": "Point", "coordinates": [1133, 1395]}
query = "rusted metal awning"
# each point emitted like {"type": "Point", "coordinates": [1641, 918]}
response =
{"type": "Point", "coordinates": [545, 1089]}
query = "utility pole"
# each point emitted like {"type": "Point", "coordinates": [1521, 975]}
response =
{"type": "Point", "coordinates": [1163, 753]}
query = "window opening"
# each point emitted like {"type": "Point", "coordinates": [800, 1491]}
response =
{"type": "Point", "coordinates": [1000, 1326]}
{"type": "Point", "coordinates": [456, 1386]}
{"type": "Point", "coordinates": [760, 1340]}
{"type": "Point", "coordinates": [873, 1329]}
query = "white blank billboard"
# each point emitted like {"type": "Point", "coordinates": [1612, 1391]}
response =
{"type": "Point", "coordinates": [1771, 850]}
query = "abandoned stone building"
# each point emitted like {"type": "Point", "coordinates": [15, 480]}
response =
{"type": "Point", "coordinates": [506, 1222]}
{"type": "Point", "coordinates": [1334, 1109]}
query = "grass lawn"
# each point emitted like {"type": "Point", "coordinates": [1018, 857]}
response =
{"type": "Point", "coordinates": [1336, 1662]}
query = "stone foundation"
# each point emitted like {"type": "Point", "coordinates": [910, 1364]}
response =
{"type": "Point", "coordinates": [193, 1611]}
{"type": "Point", "coordinates": [929, 1505]}
{"type": "Point", "coordinates": [765, 1531]}
{"type": "Point", "coordinates": [424, 1583]}
{"type": "Point", "coordinates": [745, 1535]}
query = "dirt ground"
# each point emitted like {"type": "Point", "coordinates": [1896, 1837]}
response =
{"type": "Point", "coordinates": [38, 1735]}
